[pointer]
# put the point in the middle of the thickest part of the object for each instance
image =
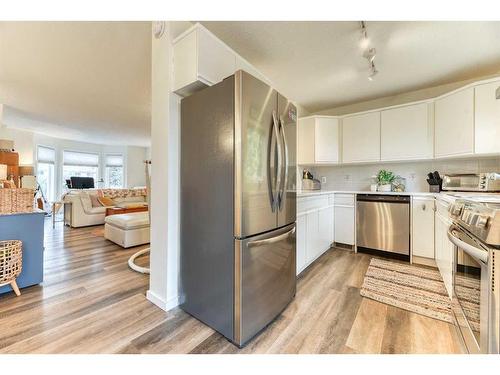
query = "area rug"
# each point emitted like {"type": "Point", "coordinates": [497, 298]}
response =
{"type": "Point", "coordinates": [412, 288]}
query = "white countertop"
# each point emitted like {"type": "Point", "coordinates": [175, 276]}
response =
{"type": "Point", "coordinates": [308, 193]}
{"type": "Point", "coordinates": [448, 197]}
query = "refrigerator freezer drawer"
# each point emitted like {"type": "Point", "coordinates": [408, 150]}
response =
{"type": "Point", "coordinates": [265, 280]}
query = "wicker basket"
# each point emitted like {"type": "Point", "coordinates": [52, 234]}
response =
{"type": "Point", "coordinates": [22, 200]}
{"type": "Point", "coordinates": [11, 260]}
{"type": "Point", "coordinates": [16, 200]}
{"type": "Point", "coordinates": [5, 201]}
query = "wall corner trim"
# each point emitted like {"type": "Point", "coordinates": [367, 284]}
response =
{"type": "Point", "coordinates": [160, 302]}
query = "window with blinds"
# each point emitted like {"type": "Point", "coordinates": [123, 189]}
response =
{"type": "Point", "coordinates": [80, 164]}
{"type": "Point", "coordinates": [46, 155]}
{"type": "Point", "coordinates": [114, 171]}
{"type": "Point", "coordinates": [74, 158]}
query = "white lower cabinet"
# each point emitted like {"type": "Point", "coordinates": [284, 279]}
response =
{"type": "Point", "coordinates": [325, 232]}
{"type": "Point", "coordinates": [344, 218]}
{"type": "Point", "coordinates": [314, 230]}
{"type": "Point", "coordinates": [313, 248]}
{"type": "Point", "coordinates": [422, 209]}
{"type": "Point", "coordinates": [301, 242]}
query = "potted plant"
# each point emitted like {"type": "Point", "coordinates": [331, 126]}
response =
{"type": "Point", "coordinates": [384, 180]}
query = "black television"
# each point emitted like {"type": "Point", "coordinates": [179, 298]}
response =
{"type": "Point", "coordinates": [82, 182]}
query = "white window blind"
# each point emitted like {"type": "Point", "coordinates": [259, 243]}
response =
{"type": "Point", "coordinates": [114, 160]}
{"type": "Point", "coordinates": [46, 155]}
{"type": "Point", "coordinates": [76, 158]}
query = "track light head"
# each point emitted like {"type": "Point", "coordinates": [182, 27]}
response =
{"type": "Point", "coordinates": [373, 72]}
{"type": "Point", "coordinates": [370, 54]}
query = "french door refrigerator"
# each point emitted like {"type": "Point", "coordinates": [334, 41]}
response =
{"type": "Point", "coordinates": [238, 207]}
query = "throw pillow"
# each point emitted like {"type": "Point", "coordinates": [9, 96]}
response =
{"type": "Point", "coordinates": [95, 200]}
{"type": "Point", "coordinates": [105, 201]}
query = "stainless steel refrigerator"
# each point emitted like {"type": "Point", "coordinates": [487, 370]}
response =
{"type": "Point", "coordinates": [238, 207]}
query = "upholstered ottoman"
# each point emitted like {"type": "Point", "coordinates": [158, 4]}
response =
{"type": "Point", "coordinates": [127, 230]}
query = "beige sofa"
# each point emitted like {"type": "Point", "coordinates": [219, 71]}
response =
{"type": "Point", "coordinates": [80, 212]}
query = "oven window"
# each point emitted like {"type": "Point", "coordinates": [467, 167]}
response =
{"type": "Point", "coordinates": [468, 290]}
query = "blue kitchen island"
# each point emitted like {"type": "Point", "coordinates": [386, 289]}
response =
{"type": "Point", "coordinates": [27, 227]}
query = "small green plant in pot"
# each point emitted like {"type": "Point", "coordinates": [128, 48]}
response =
{"type": "Point", "coordinates": [385, 180]}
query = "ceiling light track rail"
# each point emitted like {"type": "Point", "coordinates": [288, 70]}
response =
{"type": "Point", "coordinates": [369, 52]}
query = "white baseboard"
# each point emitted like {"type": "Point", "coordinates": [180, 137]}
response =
{"type": "Point", "coordinates": [160, 302]}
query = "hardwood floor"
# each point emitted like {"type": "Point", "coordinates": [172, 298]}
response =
{"type": "Point", "coordinates": [91, 302]}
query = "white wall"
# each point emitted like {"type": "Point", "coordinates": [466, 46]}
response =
{"type": "Point", "coordinates": [357, 177]}
{"type": "Point", "coordinates": [26, 142]}
{"type": "Point", "coordinates": [135, 171]}
{"type": "Point", "coordinates": [164, 258]}
{"type": "Point", "coordinates": [407, 97]}
{"type": "Point", "coordinates": [23, 143]}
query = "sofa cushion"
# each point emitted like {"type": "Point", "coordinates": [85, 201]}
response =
{"type": "Point", "coordinates": [130, 221]}
{"type": "Point", "coordinates": [106, 202]}
{"type": "Point", "coordinates": [86, 202]}
{"type": "Point", "coordinates": [129, 199]}
{"type": "Point", "coordinates": [95, 200]}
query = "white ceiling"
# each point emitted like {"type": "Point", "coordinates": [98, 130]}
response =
{"type": "Point", "coordinates": [89, 81]}
{"type": "Point", "coordinates": [320, 64]}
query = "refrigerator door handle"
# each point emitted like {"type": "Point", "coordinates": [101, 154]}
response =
{"type": "Point", "coordinates": [282, 193]}
{"type": "Point", "coordinates": [279, 166]}
{"type": "Point", "coordinates": [272, 240]}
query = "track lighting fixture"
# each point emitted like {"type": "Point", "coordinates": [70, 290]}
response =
{"type": "Point", "coordinates": [373, 71]}
{"type": "Point", "coordinates": [369, 53]}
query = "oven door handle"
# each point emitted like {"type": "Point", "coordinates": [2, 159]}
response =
{"type": "Point", "coordinates": [469, 249]}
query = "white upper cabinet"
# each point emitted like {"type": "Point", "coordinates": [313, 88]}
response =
{"type": "Point", "coordinates": [454, 124]}
{"type": "Point", "coordinates": [361, 138]}
{"type": "Point", "coordinates": [407, 133]}
{"type": "Point", "coordinates": [318, 140]}
{"type": "Point", "coordinates": [487, 118]}
{"type": "Point", "coordinates": [200, 60]}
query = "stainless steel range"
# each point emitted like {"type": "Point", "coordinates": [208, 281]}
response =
{"type": "Point", "coordinates": [476, 280]}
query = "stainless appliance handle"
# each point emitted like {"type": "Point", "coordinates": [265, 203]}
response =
{"type": "Point", "coordinates": [279, 166]}
{"type": "Point", "coordinates": [269, 241]}
{"type": "Point", "coordinates": [469, 249]}
{"type": "Point", "coordinates": [281, 196]}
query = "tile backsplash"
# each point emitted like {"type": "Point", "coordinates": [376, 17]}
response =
{"type": "Point", "coordinates": [358, 177]}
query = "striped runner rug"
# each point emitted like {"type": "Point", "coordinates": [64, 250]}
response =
{"type": "Point", "coordinates": [413, 288]}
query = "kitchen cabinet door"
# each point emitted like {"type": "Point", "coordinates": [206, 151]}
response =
{"type": "Point", "coordinates": [301, 242]}
{"type": "Point", "coordinates": [407, 133]}
{"type": "Point", "coordinates": [318, 140]}
{"type": "Point", "coordinates": [344, 224]}
{"type": "Point", "coordinates": [326, 228]}
{"type": "Point", "coordinates": [361, 138]}
{"type": "Point", "coordinates": [454, 124]}
{"type": "Point", "coordinates": [313, 249]}
{"type": "Point", "coordinates": [326, 137]}
{"type": "Point", "coordinates": [487, 118]}
{"type": "Point", "coordinates": [423, 227]}
{"type": "Point", "coordinates": [200, 60]}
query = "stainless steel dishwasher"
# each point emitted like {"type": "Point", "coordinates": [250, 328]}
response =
{"type": "Point", "coordinates": [383, 223]}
